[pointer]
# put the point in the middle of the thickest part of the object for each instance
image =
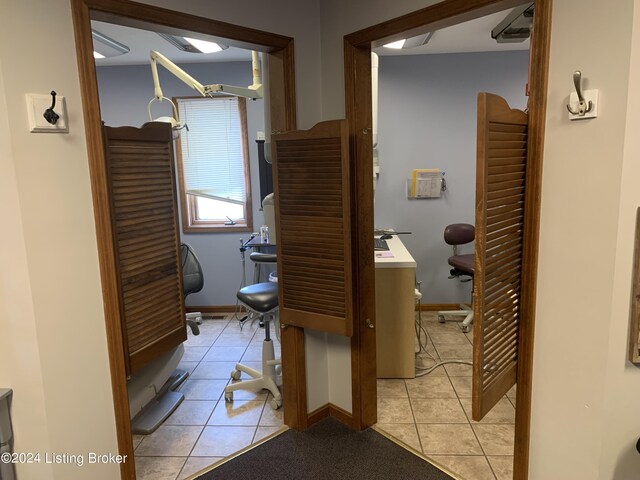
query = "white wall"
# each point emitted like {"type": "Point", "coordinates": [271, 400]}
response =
{"type": "Point", "coordinates": [125, 92]}
{"type": "Point", "coordinates": [59, 364]}
{"type": "Point", "coordinates": [619, 458]}
{"type": "Point", "coordinates": [578, 245]}
{"type": "Point", "coordinates": [20, 365]}
{"type": "Point", "coordinates": [427, 119]}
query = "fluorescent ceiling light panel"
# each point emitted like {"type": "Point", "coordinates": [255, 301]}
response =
{"type": "Point", "coordinates": [106, 46]}
{"type": "Point", "coordinates": [203, 45]}
{"type": "Point", "coordinates": [97, 55]}
{"type": "Point", "coordinates": [396, 45]}
{"type": "Point", "coordinates": [193, 45]}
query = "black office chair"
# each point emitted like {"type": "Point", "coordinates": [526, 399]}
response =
{"type": "Point", "coordinates": [192, 282]}
{"type": "Point", "coordinates": [463, 267]}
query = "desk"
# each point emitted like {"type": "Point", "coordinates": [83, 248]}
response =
{"type": "Point", "coordinates": [256, 242]}
{"type": "Point", "coordinates": [395, 312]}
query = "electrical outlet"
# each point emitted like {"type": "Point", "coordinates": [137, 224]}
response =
{"type": "Point", "coordinates": [36, 106]}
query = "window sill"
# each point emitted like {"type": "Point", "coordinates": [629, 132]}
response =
{"type": "Point", "coordinates": [208, 228]}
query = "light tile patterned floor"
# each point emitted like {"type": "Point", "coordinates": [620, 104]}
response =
{"type": "Point", "coordinates": [432, 413]}
{"type": "Point", "coordinates": [204, 428]}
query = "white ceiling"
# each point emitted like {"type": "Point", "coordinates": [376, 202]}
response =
{"type": "Point", "coordinates": [141, 42]}
{"type": "Point", "coordinates": [472, 36]}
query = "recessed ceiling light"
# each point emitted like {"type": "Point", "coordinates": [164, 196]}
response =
{"type": "Point", "coordinates": [412, 42]}
{"type": "Point", "coordinates": [193, 45]}
{"type": "Point", "coordinates": [203, 45]}
{"type": "Point", "coordinates": [418, 40]}
{"type": "Point", "coordinates": [97, 55]}
{"type": "Point", "coordinates": [397, 45]}
{"type": "Point", "coordinates": [106, 46]}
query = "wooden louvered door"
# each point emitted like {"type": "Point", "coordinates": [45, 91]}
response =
{"type": "Point", "coordinates": [144, 218]}
{"type": "Point", "coordinates": [311, 174]}
{"type": "Point", "coordinates": [500, 196]}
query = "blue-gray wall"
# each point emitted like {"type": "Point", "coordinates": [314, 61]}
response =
{"type": "Point", "coordinates": [427, 119]}
{"type": "Point", "coordinates": [125, 92]}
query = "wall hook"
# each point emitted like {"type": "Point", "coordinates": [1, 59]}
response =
{"type": "Point", "coordinates": [49, 115]}
{"type": "Point", "coordinates": [584, 107]}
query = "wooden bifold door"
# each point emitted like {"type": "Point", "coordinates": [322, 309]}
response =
{"type": "Point", "coordinates": [144, 218]}
{"type": "Point", "coordinates": [500, 206]}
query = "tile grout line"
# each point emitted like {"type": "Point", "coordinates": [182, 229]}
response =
{"type": "Point", "coordinates": [467, 417]}
{"type": "Point", "coordinates": [214, 407]}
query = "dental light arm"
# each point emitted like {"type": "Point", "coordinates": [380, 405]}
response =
{"type": "Point", "coordinates": [253, 91]}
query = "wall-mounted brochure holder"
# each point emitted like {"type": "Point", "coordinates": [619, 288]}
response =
{"type": "Point", "coordinates": [426, 183]}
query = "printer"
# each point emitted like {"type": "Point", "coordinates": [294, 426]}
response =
{"type": "Point", "coordinates": [7, 471]}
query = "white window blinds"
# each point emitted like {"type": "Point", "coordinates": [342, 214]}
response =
{"type": "Point", "coordinates": [212, 148]}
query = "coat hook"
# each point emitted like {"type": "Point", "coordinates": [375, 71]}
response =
{"type": "Point", "coordinates": [583, 106]}
{"type": "Point", "coordinates": [49, 115]}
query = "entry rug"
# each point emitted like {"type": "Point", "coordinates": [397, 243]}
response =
{"type": "Point", "coordinates": [327, 450]}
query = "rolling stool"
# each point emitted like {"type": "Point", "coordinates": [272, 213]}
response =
{"type": "Point", "coordinates": [261, 298]}
{"type": "Point", "coordinates": [259, 259]}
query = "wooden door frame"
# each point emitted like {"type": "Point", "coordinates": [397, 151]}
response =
{"type": "Point", "coordinates": [357, 58]}
{"type": "Point", "coordinates": [283, 117]}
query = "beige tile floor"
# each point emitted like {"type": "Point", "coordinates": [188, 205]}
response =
{"type": "Point", "coordinates": [432, 413]}
{"type": "Point", "coordinates": [204, 428]}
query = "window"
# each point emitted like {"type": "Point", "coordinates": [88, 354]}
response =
{"type": "Point", "coordinates": [213, 162]}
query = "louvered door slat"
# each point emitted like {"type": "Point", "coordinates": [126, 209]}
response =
{"type": "Point", "coordinates": [144, 217]}
{"type": "Point", "coordinates": [500, 193]}
{"type": "Point", "coordinates": [311, 176]}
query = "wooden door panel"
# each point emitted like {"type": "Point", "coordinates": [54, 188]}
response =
{"type": "Point", "coordinates": [142, 193]}
{"type": "Point", "coordinates": [312, 198]}
{"type": "Point", "coordinates": [500, 194]}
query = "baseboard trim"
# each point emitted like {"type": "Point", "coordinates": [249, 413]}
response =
{"type": "Point", "coordinates": [318, 414]}
{"type": "Point", "coordinates": [214, 309]}
{"type": "Point", "coordinates": [435, 307]}
{"type": "Point", "coordinates": [330, 410]}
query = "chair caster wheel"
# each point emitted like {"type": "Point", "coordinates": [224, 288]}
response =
{"type": "Point", "coordinates": [441, 318]}
{"type": "Point", "coordinates": [275, 404]}
{"type": "Point", "coordinates": [228, 397]}
{"type": "Point", "coordinates": [466, 328]}
{"type": "Point", "coordinates": [235, 374]}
